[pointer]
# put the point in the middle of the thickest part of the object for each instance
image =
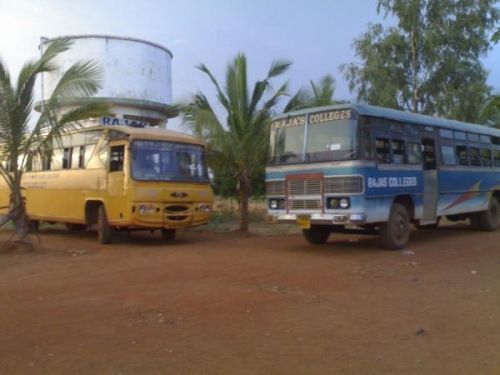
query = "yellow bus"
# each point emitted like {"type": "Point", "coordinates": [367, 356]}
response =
{"type": "Point", "coordinates": [119, 178]}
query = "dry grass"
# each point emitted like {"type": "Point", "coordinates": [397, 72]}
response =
{"type": "Point", "coordinates": [226, 218]}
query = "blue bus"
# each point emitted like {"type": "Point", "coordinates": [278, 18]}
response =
{"type": "Point", "coordinates": [361, 168]}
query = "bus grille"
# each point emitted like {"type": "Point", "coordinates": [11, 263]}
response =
{"type": "Point", "coordinates": [275, 187]}
{"type": "Point", "coordinates": [305, 204]}
{"type": "Point", "coordinates": [343, 185]}
{"type": "Point", "coordinates": [304, 187]}
{"type": "Point", "coordinates": [177, 213]}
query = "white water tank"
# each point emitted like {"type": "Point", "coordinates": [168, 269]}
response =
{"type": "Point", "coordinates": [137, 75]}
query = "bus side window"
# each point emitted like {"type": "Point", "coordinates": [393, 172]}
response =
{"type": "Point", "coordinates": [462, 155]}
{"type": "Point", "coordinates": [486, 157]}
{"type": "Point", "coordinates": [475, 158]}
{"type": "Point", "coordinates": [429, 152]}
{"type": "Point", "coordinates": [414, 153]}
{"type": "Point", "coordinates": [383, 151]}
{"type": "Point", "coordinates": [497, 158]}
{"type": "Point", "coordinates": [367, 144]}
{"type": "Point", "coordinates": [398, 151]}
{"type": "Point", "coordinates": [116, 158]}
{"type": "Point", "coordinates": [448, 154]}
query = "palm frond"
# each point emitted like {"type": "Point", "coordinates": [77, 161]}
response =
{"type": "Point", "coordinates": [220, 94]}
{"type": "Point", "coordinates": [82, 79]}
{"type": "Point", "coordinates": [300, 100]}
{"type": "Point", "coordinates": [278, 67]}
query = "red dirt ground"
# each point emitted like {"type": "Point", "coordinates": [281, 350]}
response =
{"type": "Point", "coordinates": [233, 304]}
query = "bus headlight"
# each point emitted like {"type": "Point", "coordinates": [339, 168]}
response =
{"type": "Point", "coordinates": [276, 204]}
{"type": "Point", "coordinates": [344, 203]}
{"type": "Point", "coordinates": [145, 209]}
{"type": "Point", "coordinates": [336, 203]}
{"type": "Point", "coordinates": [205, 207]}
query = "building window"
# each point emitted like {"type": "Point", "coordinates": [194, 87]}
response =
{"type": "Point", "coordinates": [81, 157]}
{"type": "Point", "coordinates": [46, 161]}
{"type": "Point", "coordinates": [67, 153]}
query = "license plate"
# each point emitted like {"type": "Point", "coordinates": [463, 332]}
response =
{"type": "Point", "coordinates": [304, 221]}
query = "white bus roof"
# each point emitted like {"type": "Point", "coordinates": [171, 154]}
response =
{"type": "Point", "coordinates": [149, 133]}
{"type": "Point", "coordinates": [402, 116]}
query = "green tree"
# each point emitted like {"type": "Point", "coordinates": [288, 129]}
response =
{"type": "Point", "coordinates": [318, 94]}
{"type": "Point", "coordinates": [490, 114]}
{"type": "Point", "coordinates": [496, 37]}
{"type": "Point", "coordinates": [21, 141]}
{"type": "Point", "coordinates": [240, 142]}
{"type": "Point", "coordinates": [430, 61]}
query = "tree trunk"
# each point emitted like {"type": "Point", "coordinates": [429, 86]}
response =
{"type": "Point", "coordinates": [244, 193]}
{"type": "Point", "coordinates": [18, 215]}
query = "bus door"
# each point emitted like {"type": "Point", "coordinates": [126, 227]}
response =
{"type": "Point", "coordinates": [431, 189]}
{"type": "Point", "coordinates": [116, 175]}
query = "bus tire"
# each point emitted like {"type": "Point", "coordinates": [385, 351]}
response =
{"type": "Point", "coordinates": [490, 219]}
{"type": "Point", "coordinates": [474, 220]}
{"type": "Point", "coordinates": [104, 230]}
{"type": "Point", "coordinates": [168, 234]}
{"type": "Point", "coordinates": [316, 235]}
{"type": "Point", "coordinates": [396, 231]}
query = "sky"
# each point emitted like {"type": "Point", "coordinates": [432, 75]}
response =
{"type": "Point", "coordinates": [316, 35]}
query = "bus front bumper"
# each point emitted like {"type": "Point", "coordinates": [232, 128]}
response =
{"type": "Point", "coordinates": [319, 219]}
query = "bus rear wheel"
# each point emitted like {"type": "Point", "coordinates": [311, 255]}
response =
{"type": "Point", "coordinates": [104, 230]}
{"type": "Point", "coordinates": [316, 235]}
{"type": "Point", "coordinates": [396, 231]}
{"type": "Point", "coordinates": [489, 220]}
{"type": "Point", "coordinates": [168, 234]}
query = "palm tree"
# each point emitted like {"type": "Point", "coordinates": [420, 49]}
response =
{"type": "Point", "coordinates": [319, 94]}
{"type": "Point", "coordinates": [241, 141]}
{"type": "Point", "coordinates": [20, 140]}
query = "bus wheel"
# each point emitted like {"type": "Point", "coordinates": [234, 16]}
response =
{"type": "Point", "coordinates": [316, 235]}
{"type": "Point", "coordinates": [104, 230]}
{"type": "Point", "coordinates": [396, 231]}
{"type": "Point", "coordinates": [168, 234]}
{"type": "Point", "coordinates": [76, 227]}
{"type": "Point", "coordinates": [474, 220]}
{"type": "Point", "coordinates": [490, 219]}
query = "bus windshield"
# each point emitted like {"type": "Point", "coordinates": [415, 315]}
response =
{"type": "Point", "coordinates": [326, 141]}
{"type": "Point", "coordinates": [168, 161]}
